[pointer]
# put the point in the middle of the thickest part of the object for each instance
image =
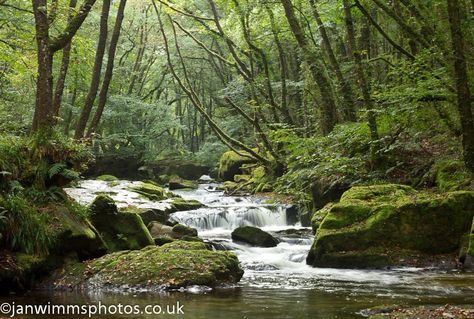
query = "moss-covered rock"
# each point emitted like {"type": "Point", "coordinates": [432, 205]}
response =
{"type": "Point", "coordinates": [181, 204]}
{"type": "Point", "coordinates": [180, 230]}
{"type": "Point", "coordinates": [19, 271]}
{"type": "Point", "coordinates": [151, 191]}
{"type": "Point", "coordinates": [254, 236]}
{"type": "Point", "coordinates": [230, 164]}
{"type": "Point", "coordinates": [173, 265]}
{"type": "Point", "coordinates": [154, 214]}
{"type": "Point", "coordinates": [120, 230]}
{"type": "Point", "coordinates": [107, 178]}
{"type": "Point", "coordinates": [375, 226]}
{"type": "Point", "coordinates": [179, 183]}
{"type": "Point", "coordinates": [75, 234]}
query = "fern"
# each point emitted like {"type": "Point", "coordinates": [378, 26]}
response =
{"type": "Point", "coordinates": [56, 169]}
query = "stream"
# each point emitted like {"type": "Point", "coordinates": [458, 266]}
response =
{"type": "Point", "coordinates": [277, 282]}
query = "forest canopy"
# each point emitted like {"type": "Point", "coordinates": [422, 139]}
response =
{"type": "Point", "coordinates": [355, 89]}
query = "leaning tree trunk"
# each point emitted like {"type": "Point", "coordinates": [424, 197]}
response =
{"type": "Point", "coordinates": [95, 82]}
{"type": "Point", "coordinates": [328, 111]}
{"type": "Point", "coordinates": [462, 83]}
{"type": "Point", "coordinates": [110, 69]}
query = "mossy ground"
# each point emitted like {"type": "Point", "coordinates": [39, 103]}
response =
{"type": "Point", "coordinates": [172, 265]}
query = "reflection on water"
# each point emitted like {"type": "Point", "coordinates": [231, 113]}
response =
{"type": "Point", "coordinates": [277, 283]}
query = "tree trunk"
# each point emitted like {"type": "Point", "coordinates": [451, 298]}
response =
{"type": "Point", "coordinates": [44, 85]}
{"type": "Point", "coordinates": [462, 83]}
{"type": "Point", "coordinates": [58, 94]}
{"type": "Point", "coordinates": [344, 87]}
{"type": "Point", "coordinates": [95, 81]}
{"type": "Point", "coordinates": [328, 111]}
{"type": "Point", "coordinates": [110, 69]}
{"type": "Point", "coordinates": [44, 108]}
{"type": "Point", "coordinates": [361, 77]}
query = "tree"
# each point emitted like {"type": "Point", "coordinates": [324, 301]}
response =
{"type": "Point", "coordinates": [46, 47]}
{"type": "Point", "coordinates": [109, 70]}
{"type": "Point", "coordinates": [328, 106]}
{"type": "Point", "coordinates": [96, 72]}
{"type": "Point", "coordinates": [462, 83]}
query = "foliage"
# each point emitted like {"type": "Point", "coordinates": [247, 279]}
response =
{"type": "Point", "coordinates": [25, 227]}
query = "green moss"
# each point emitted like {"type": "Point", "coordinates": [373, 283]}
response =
{"type": "Point", "coordinates": [107, 178]}
{"type": "Point", "coordinates": [183, 204]}
{"type": "Point", "coordinates": [120, 230]}
{"type": "Point", "coordinates": [179, 183]}
{"type": "Point", "coordinates": [150, 191]}
{"type": "Point", "coordinates": [452, 175]}
{"type": "Point", "coordinates": [318, 217]}
{"type": "Point", "coordinates": [175, 264]}
{"type": "Point", "coordinates": [390, 217]}
{"type": "Point", "coordinates": [242, 178]}
{"type": "Point", "coordinates": [183, 230]}
{"type": "Point", "coordinates": [230, 164]}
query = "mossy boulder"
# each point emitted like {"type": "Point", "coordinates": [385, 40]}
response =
{"type": "Point", "coordinates": [107, 178]}
{"type": "Point", "coordinates": [19, 271]}
{"type": "Point", "coordinates": [119, 230]}
{"type": "Point", "coordinates": [254, 236]}
{"type": "Point", "coordinates": [383, 225]}
{"type": "Point", "coordinates": [181, 204]}
{"type": "Point", "coordinates": [230, 164]}
{"type": "Point", "coordinates": [75, 234]}
{"type": "Point", "coordinates": [173, 265]}
{"type": "Point", "coordinates": [149, 215]}
{"type": "Point", "coordinates": [179, 183]}
{"type": "Point", "coordinates": [151, 191]}
{"type": "Point", "coordinates": [180, 230]}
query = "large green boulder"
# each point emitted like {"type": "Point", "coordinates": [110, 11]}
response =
{"type": "Point", "coordinates": [383, 225]}
{"type": "Point", "coordinates": [254, 236]}
{"type": "Point", "coordinates": [174, 265]}
{"type": "Point", "coordinates": [230, 164]}
{"type": "Point", "coordinates": [75, 234]}
{"type": "Point", "coordinates": [452, 175]}
{"type": "Point", "coordinates": [120, 230]}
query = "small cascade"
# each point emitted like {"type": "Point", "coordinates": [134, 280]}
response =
{"type": "Point", "coordinates": [230, 218]}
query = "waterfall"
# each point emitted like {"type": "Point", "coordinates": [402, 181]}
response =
{"type": "Point", "coordinates": [230, 218]}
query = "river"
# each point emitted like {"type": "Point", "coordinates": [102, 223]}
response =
{"type": "Point", "coordinates": [277, 283]}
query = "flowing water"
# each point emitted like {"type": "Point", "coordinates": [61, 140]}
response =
{"type": "Point", "coordinates": [277, 283]}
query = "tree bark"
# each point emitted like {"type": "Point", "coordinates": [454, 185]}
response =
{"type": "Point", "coordinates": [58, 93]}
{"type": "Point", "coordinates": [361, 76]}
{"type": "Point", "coordinates": [462, 83]}
{"type": "Point", "coordinates": [344, 87]}
{"type": "Point", "coordinates": [95, 81]}
{"type": "Point", "coordinates": [328, 111]}
{"type": "Point", "coordinates": [109, 70]}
